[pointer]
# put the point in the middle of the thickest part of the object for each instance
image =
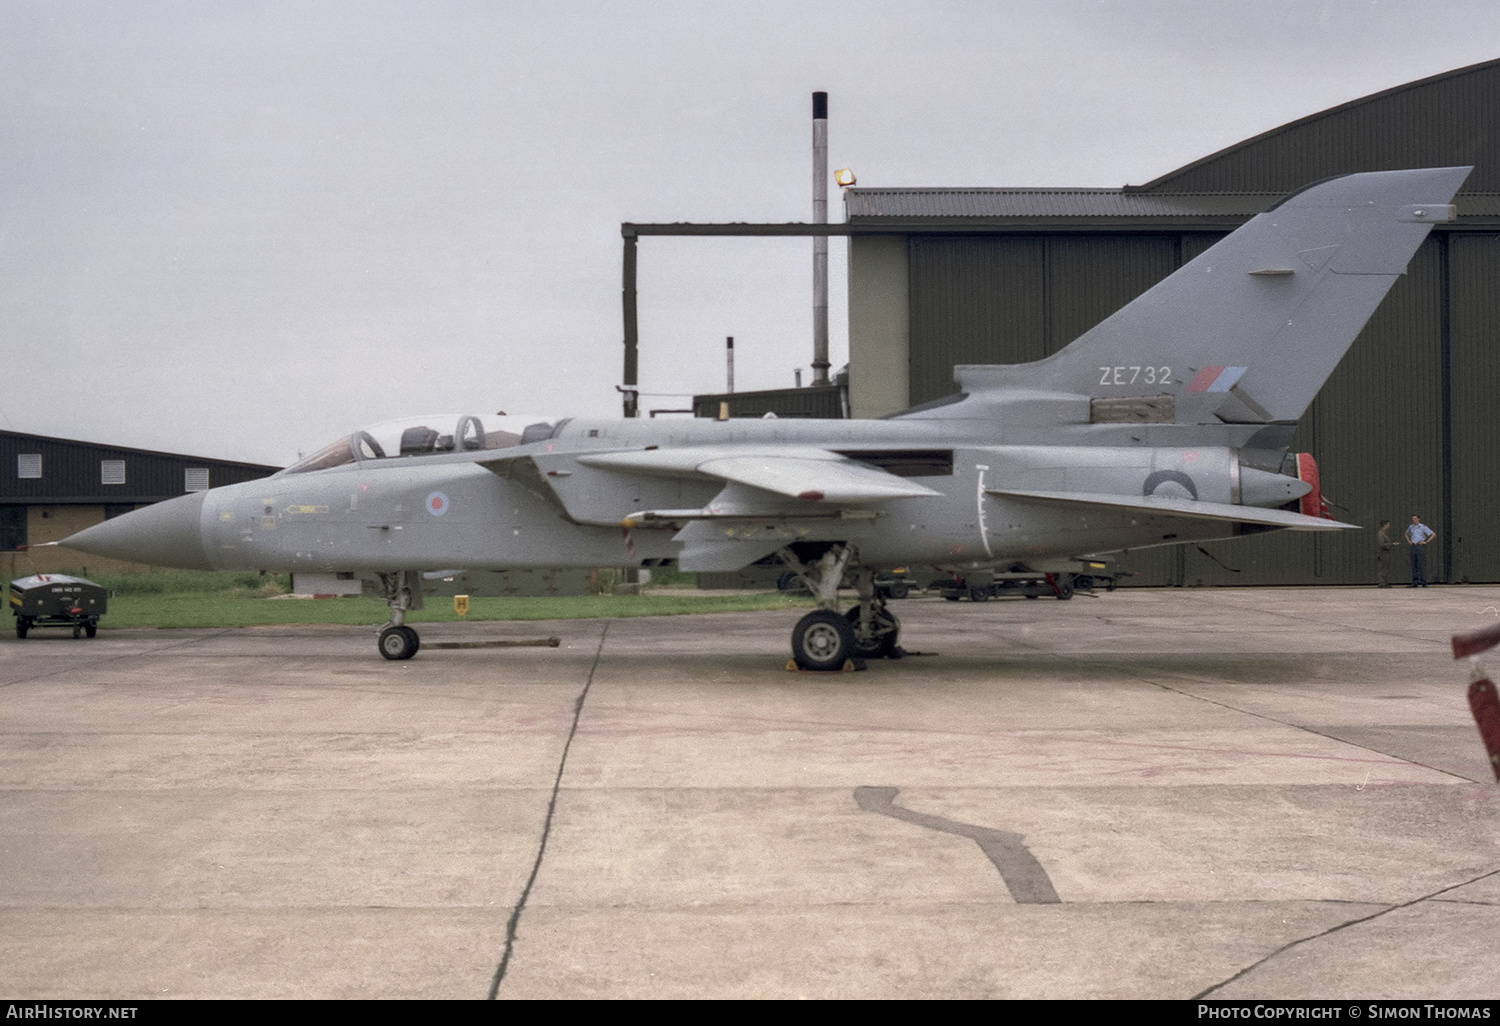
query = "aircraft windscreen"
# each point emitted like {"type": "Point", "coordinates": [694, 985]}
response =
{"type": "Point", "coordinates": [426, 436]}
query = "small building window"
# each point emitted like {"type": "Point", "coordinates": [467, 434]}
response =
{"type": "Point", "coordinates": [29, 465]}
{"type": "Point", "coordinates": [112, 472]}
{"type": "Point", "coordinates": [195, 479]}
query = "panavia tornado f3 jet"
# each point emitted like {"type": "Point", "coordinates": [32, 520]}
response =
{"type": "Point", "coordinates": [1168, 422]}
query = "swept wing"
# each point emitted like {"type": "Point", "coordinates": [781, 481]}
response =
{"type": "Point", "coordinates": [811, 474]}
{"type": "Point", "coordinates": [1190, 508]}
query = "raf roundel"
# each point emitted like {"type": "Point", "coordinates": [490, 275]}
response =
{"type": "Point", "coordinates": [437, 504]}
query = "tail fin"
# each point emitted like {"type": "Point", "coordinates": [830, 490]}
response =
{"type": "Point", "coordinates": [1248, 332]}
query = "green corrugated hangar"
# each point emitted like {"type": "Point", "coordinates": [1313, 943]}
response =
{"type": "Point", "coordinates": [1407, 424]}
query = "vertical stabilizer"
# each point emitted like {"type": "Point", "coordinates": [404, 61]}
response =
{"type": "Point", "coordinates": [1248, 332]}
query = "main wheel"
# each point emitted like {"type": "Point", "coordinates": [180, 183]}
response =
{"type": "Point", "coordinates": [398, 642]}
{"type": "Point", "coordinates": [887, 630]}
{"type": "Point", "coordinates": [822, 640]}
{"type": "Point", "coordinates": [23, 624]}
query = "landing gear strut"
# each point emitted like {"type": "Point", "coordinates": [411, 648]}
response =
{"type": "Point", "coordinates": [827, 640]}
{"type": "Point", "coordinates": [396, 640]}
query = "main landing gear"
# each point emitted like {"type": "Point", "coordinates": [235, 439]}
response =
{"type": "Point", "coordinates": [396, 640]}
{"type": "Point", "coordinates": [825, 639]}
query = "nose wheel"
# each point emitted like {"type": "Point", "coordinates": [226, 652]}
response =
{"type": "Point", "coordinates": [402, 592]}
{"type": "Point", "coordinates": [398, 642]}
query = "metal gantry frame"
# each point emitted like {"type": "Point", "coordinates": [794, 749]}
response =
{"type": "Point", "coordinates": [631, 232]}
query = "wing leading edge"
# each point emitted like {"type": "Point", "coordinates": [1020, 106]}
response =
{"type": "Point", "coordinates": [810, 474]}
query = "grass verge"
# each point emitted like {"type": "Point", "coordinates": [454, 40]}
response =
{"type": "Point", "coordinates": [177, 600]}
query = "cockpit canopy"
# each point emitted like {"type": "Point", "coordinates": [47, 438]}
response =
{"type": "Point", "coordinates": [426, 436]}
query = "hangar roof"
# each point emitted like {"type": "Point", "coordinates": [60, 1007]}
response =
{"type": "Point", "coordinates": [914, 209]}
{"type": "Point", "coordinates": [1443, 121]}
{"type": "Point", "coordinates": [1009, 203]}
{"type": "Point", "coordinates": [1446, 120]}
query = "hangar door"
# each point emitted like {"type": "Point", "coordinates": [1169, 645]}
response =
{"type": "Point", "coordinates": [1017, 298]}
{"type": "Point", "coordinates": [1406, 424]}
{"type": "Point", "coordinates": [1474, 414]}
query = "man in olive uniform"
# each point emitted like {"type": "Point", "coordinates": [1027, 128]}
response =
{"type": "Point", "coordinates": [1383, 547]}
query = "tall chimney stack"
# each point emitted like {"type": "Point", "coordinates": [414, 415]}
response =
{"type": "Point", "coordinates": [820, 242]}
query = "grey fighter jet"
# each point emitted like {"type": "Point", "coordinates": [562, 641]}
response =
{"type": "Point", "coordinates": [1168, 422]}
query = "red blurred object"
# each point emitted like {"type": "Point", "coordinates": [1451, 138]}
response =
{"type": "Point", "coordinates": [1486, 709]}
{"type": "Point", "coordinates": [1483, 702]}
{"type": "Point", "coordinates": [1312, 504]}
{"type": "Point", "coordinates": [1476, 641]}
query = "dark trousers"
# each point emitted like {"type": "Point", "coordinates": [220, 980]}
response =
{"type": "Point", "coordinates": [1419, 565]}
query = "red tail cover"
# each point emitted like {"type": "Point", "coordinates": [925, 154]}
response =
{"type": "Point", "coordinates": [1311, 504]}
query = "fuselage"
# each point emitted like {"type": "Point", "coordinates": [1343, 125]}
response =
{"type": "Point", "coordinates": [535, 504]}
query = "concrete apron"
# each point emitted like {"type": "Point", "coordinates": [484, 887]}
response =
{"type": "Point", "coordinates": [1244, 793]}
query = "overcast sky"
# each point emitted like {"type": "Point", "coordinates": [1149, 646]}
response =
{"type": "Point", "coordinates": [238, 229]}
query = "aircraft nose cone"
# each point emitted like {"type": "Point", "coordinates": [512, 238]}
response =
{"type": "Point", "coordinates": [164, 534]}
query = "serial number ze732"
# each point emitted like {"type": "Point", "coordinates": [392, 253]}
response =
{"type": "Point", "coordinates": [1135, 375]}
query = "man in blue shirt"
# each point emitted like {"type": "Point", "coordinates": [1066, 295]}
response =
{"type": "Point", "coordinates": [1417, 536]}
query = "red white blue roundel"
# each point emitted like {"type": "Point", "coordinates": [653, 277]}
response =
{"type": "Point", "coordinates": [437, 504]}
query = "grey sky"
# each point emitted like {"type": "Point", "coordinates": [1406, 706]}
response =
{"type": "Point", "coordinates": [238, 229]}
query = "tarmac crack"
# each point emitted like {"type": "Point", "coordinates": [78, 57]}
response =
{"type": "Point", "coordinates": [1024, 876]}
{"type": "Point", "coordinates": [1304, 727]}
{"type": "Point", "coordinates": [1336, 929]}
{"type": "Point", "coordinates": [1154, 681]}
{"type": "Point", "coordinates": [105, 660]}
{"type": "Point", "coordinates": [514, 922]}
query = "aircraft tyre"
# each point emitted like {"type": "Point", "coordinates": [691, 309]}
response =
{"type": "Point", "coordinates": [884, 643]}
{"type": "Point", "coordinates": [790, 582]}
{"type": "Point", "coordinates": [822, 640]}
{"type": "Point", "coordinates": [398, 642]}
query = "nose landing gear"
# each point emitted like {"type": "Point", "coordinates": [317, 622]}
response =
{"type": "Point", "coordinates": [396, 640]}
